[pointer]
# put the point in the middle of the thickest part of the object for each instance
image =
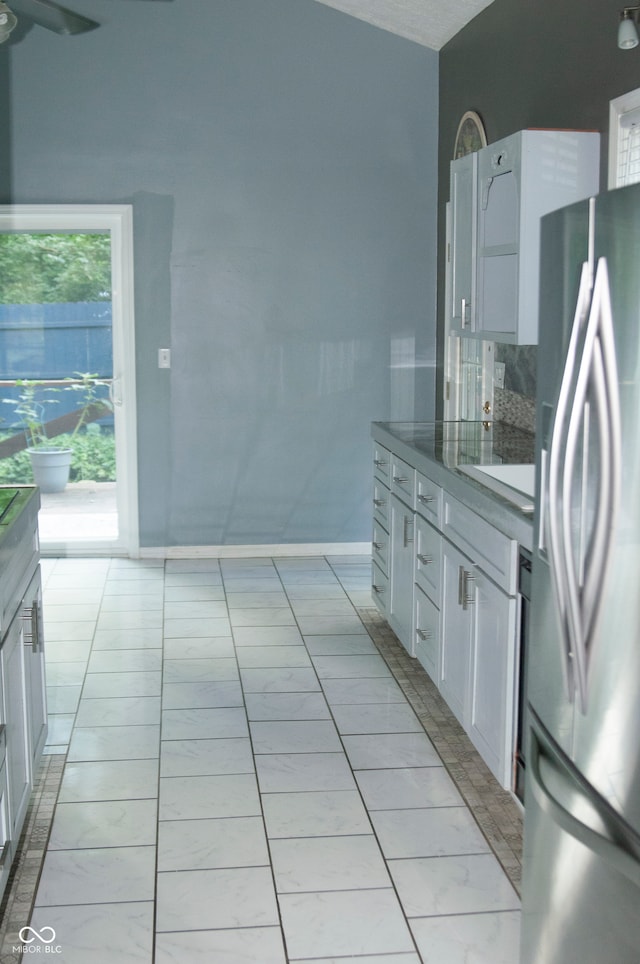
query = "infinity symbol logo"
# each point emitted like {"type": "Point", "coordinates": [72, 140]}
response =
{"type": "Point", "coordinates": [39, 935]}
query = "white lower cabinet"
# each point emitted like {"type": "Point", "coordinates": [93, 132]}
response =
{"type": "Point", "coordinates": [16, 721]}
{"type": "Point", "coordinates": [478, 659]}
{"type": "Point", "coordinates": [445, 580]}
{"type": "Point", "coordinates": [35, 682]}
{"type": "Point", "coordinates": [6, 852]}
{"type": "Point", "coordinates": [492, 695]}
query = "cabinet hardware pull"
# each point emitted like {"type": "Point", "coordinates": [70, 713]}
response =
{"type": "Point", "coordinates": [3, 728]}
{"type": "Point", "coordinates": [379, 463]}
{"type": "Point", "coordinates": [30, 618]}
{"type": "Point", "coordinates": [5, 852]}
{"type": "Point", "coordinates": [400, 480]}
{"type": "Point", "coordinates": [425, 560]}
{"type": "Point", "coordinates": [379, 502]}
{"type": "Point", "coordinates": [426, 499]}
{"type": "Point", "coordinates": [407, 522]}
{"type": "Point", "coordinates": [378, 545]}
{"type": "Point", "coordinates": [460, 585]}
{"type": "Point", "coordinates": [465, 307]}
{"type": "Point", "coordinates": [378, 589]}
{"type": "Point", "coordinates": [467, 596]}
{"type": "Point", "coordinates": [424, 634]}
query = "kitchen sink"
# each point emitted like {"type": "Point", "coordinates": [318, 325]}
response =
{"type": "Point", "coordinates": [515, 483]}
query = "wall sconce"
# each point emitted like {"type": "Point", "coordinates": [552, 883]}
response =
{"type": "Point", "coordinates": [627, 30]}
{"type": "Point", "coordinates": [8, 20]}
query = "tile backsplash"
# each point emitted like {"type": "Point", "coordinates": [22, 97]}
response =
{"type": "Point", "coordinates": [515, 404]}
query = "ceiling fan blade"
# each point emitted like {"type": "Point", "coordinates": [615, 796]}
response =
{"type": "Point", "coordinates": [51, 15]}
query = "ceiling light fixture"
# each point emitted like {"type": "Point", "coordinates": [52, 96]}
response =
{"type": "Point", "coordinates": [8, 20]}
{"type": "Point", "coordinates": [627, 30]}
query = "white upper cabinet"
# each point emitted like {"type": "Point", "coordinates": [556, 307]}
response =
{"type": "Point", "coordinates": [517, 180]}
{"type": "Point", "coordinates": [462, 252]}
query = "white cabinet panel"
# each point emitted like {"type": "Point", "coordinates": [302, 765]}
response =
{"type": "Point", "coordinates": [16, 722]}
{"type": "Point", "coordinates": [401, 572]}
{"type": "Point", "coordinates": [428, 499]}
{"type": "Point", "coordinates": [35, 685]}
{"type": "Point", "coordinates": [462, 254]}
{"type": "Point", "coordinates": [428, 560]}
{"type": "Point", "coordinates": [427, 635]}
{"type": "Point", "coordinates": [380, 589]}
{"type": "Point", "coordinates": [381, 463]}
{"type": "Point", "coordinates": [403, 480]}
{"type": "Point", "coordinates": [456, 635]}
{"type": "Point", "coordinates": [492, 687]}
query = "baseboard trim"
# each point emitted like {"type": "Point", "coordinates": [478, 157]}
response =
{"type": "Point", "coordinates": [261, 551]}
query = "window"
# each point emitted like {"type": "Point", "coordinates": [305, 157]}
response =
{"type": "Point", "coordinates": [624, 139]}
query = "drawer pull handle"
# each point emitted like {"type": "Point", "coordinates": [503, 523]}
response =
{"type": "Point", "coordinates": [424, 634]}
{"type": "Point", "coordinates": [400, 480]}
{"type": "Point", "coordinates": [426, 499]}
{"type": "Point", "coordinates": [5, 853]}
{"type": "Point", "coordinates": [425, 560]}
{"type": "Point", "coordinates": [379, 502]}
{"type": "Point", "coordinates": [378, 589]}
{"type": "Point", "coordinates": [378, 545]}
{"type": "Point", "coordinates": [380, 463]}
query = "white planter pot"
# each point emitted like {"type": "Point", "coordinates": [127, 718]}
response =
{"type": "Point", "coordinates": [50, 468]}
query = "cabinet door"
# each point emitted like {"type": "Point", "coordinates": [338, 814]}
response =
{"type": "Point", "coordinates": [427, 635]}
{"type": "Point", "coordinates": [462, 252]}
{"type": "Point", "coordinates": [493, 653]}
{"type": "Point", "coordinates": [456, 633]}
{"type": "Point", "coordinates": [35, 669]}
{"type": "Point", "coordinates": [401, 572]}
{"type": "Point", "coordinates": [7, 848]}
{"type": "Point", "coordinates": [428, 559]}
{"type": "Point", "coordinates": [17, 733]}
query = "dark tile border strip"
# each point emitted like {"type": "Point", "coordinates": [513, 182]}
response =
{"type": "Point", "coordinates": [496, 811]}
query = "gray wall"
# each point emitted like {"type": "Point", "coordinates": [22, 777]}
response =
{"type": "Point", "coordinates": [522, 64]}
{"type": "Point", "coordinates": [281, 161]}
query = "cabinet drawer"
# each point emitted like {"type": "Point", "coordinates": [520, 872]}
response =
{"type": "Point", "coordinates": [381, 503]}
{"type": "Point", "coordinates": [427, 634]}
{"type": "Point", "coordinates": [403, 480]}
{"type": "Point", "coordinates": [490, 550]}
{"type": "Point", "coordinates": [428, 499]}
{"type": "Point", "coordinates": [380, 588]}
{"type": "Point", "coordinates": [381, 463]}
{"type": "Point", "coordinates": [380, 547]}
{"type": "Point", "coordinates": [428, 561]}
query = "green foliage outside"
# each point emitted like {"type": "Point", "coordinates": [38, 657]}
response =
{"type": "Point", "coordinates": [48, 268]}
{"type": "Point", "coordinates": [93, 460]}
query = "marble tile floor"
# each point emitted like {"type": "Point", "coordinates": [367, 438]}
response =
{"type": "Point", "coordinates": [244, 765]}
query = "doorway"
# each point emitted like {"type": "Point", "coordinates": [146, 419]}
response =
{"type": "Point", "coordinates": [99, 515]}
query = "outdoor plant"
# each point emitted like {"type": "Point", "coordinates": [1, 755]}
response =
{"type": "Point", "coordinates": [35, 396]}
{"type": "Point", "coordinates": [31, 411]}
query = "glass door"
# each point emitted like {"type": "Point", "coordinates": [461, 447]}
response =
{"type": "Point", "coordinates": [67, 374]}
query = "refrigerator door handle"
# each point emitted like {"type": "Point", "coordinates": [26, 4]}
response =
{"type": "Point", "coordinates": [551, 515]}
{"type": "Point", "coordinates": [619, 844]}
{"type": "Point", "coordinates": [585, 570]}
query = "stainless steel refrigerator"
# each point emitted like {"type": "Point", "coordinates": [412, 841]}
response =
{"type": "Point", "coordinates": [581, 885]}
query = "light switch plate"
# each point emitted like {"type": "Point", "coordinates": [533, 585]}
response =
{"type": "Point", "coordinates": [164, 358]}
